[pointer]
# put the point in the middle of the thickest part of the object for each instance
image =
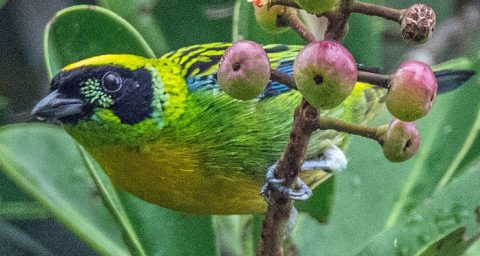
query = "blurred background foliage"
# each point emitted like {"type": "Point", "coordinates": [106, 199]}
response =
{"type": "Point", "coordinates": [379, 208]}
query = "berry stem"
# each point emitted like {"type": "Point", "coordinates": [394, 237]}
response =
{"type": "Point", "coordinates": [287, 3]}
{"type": "Point", "coordinates": [283, 78]}
{"type": "Point", "coordinates": [338, 20]}
{"type": "Point", "coordinates": [373, 78]}
{"type": "Point", "coordinates": [377, 10]}
{"type": "Point", "coordinates": [296, 24]}
{"type": "Point", "coordinates": [328, 123]}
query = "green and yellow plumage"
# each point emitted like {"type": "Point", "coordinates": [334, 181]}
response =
{"type": "Point", "coordinates": [200, 150]}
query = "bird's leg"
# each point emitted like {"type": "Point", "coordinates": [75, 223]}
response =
{"type": "Point", "coordinates": [291, 223]}
{"type": "Point", "coordinates": [332, 160]}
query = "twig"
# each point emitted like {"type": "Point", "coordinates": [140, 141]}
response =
{"type": "Point", "coordinates": [373, 78]}
{"type": "Point", "coordinates": [337, 21]}
{"type": "Point", "coordinates": [276, 217]}
{"type": "Point", "coordinates": [283, 78]}
{"type": "Point", "coordinates": [295, 23]}
{"type": "Point", "coordinates": [328, 123]}
{"type": "Point", "coordinates": [306, 121]}
{"type": "Point", "coordinates": [376, 10]}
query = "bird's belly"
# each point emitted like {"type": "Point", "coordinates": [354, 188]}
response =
{"type": "Point", "coordinates": [174, 179]}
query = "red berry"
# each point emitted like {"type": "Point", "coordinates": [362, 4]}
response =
{"type": "Point", "coordinates": [412, 91]}
{"type": "Point", "coordinates": [325, 73]}
{"type": "Point", "coordinates": [257, 3]}
{"type": "Point", "coordinates": [244, 71]}
{"type": "Point", "coordinates": [400, 141]}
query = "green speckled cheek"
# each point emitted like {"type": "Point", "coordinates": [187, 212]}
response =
{"type": "Point", "coordinates": [159, 97]}
{"type": "Point", "coordinates": [92, 90]}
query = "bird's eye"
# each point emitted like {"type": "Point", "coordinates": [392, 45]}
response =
{"type": "Point", "coordinates": [111, 82]}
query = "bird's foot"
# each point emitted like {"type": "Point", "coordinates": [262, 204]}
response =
{"type": "Point", "coordinates": [332, 160]}
{"type": "Point", "coordinates": [301, 191]}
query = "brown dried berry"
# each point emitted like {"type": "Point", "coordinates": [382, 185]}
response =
{"type": "Point", "coordinates": [418, 23]}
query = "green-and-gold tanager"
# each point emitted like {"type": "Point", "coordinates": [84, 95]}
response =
{"type": "Point", "coordinates": [163, 130]}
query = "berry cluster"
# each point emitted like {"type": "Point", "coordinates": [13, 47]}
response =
{"type": "Point", "coordinates": [325, 72]}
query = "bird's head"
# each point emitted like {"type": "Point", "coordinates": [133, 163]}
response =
{"type": "Point", "coordinates": [111, 92]}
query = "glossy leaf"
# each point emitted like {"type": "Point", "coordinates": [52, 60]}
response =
{"type": "Point", "coordinates": [440, 216]}
{"type": "Point", "coordinates": [167, 232]}
{"type": "Point", "coordinates": [112, 203]}
{"type": "Point", "coordinates": [140, 14]}
{"type": "Point", "coordinates": [79, 32]}
{"type": "Point", "coordinates": [45, 162]}
{"type": "Point", "coordinates": [364, 38]}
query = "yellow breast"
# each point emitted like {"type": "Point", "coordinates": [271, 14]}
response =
{"type": "Point", "coordinates": [170, 176]}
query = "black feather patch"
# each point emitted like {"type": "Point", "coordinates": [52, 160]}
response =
{"type": "Point", "coordinates": [449, 80]}
{"type": "Point", "coordinates": [131, 102]}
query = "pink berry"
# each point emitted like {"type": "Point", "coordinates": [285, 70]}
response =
{"type": "Point", "coordinates": [412, 91]}
{"type": "Point", "coordinates": [400, 141]}
{"type": "Point", "coordinates": [244, 71]}
{"type": "Point", "coordinates": [325, 73]}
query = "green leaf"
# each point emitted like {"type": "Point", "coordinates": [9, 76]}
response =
{"type": "Point", "coordinates": [474, 249]}
{"type": "Point", "coordinates": [45, 162]}
{"type": "Point", "coordinates": [454, 243]}
{"type": "Point", "coordinates": [167, 232]}
{"type": "Point", "coordinates": [140, 15]}
{"type": "Point", "coordinates": [21, 210]}
{"type": "Point", "coordinates": [186, 22]}
{"type": "Point", "coordinates": [112, 202]}
{"type": "Point", "coordinates": [440, 216]}
{"type": "Point", "coordinates": [80, 32]}
{"type": "Point", "coordinates": [320, 205]}
{"type": "Point", "coordinates": [364, 38]}
{"type": "Point", "coordinates": [239, 23]}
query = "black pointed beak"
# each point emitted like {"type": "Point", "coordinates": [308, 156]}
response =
{"type": "Point", "coordinates": [56, 105]}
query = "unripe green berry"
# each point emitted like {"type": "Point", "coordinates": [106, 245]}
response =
{"type": "Point", "coordinates": [412, 91]}
{"type": "Point", "coordinates": [418, 23]}
{"type": "Point", "coordinates": [400, 141]}
{"type": "Point", "coordinates": [316, 6]}
{"type": "Point", "coordinates": [244, 70]}
{"type": "Point", "coordinates": [269, 18]}
{"type": "Point", "coordinates": [325, 73]}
